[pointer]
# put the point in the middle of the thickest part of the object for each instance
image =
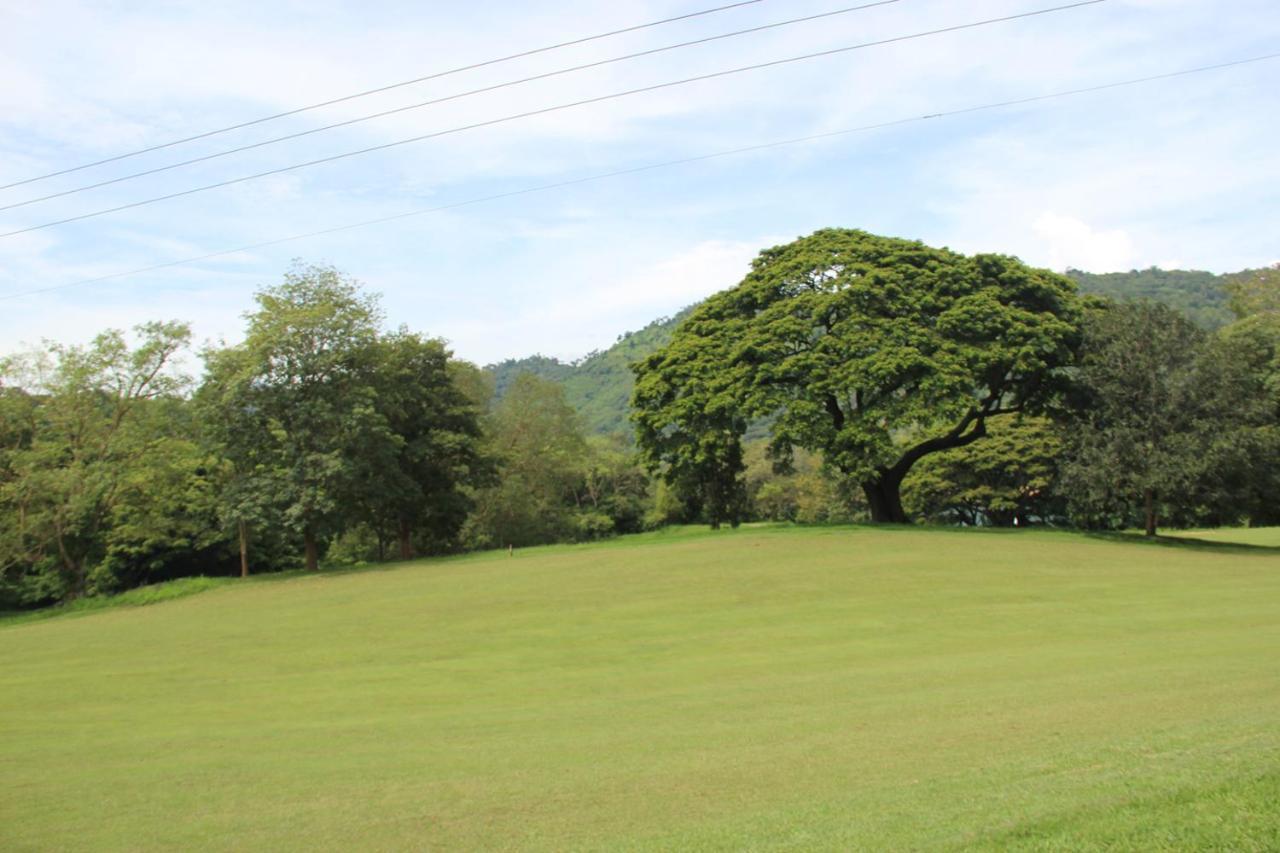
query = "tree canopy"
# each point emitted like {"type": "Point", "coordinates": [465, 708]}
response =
{"type": "Point", "coordinates": [1157, 403]}
{"type": "Point", "coordinates": [75, 425]}
{"type": "Point", "coordinates": [872, 351]}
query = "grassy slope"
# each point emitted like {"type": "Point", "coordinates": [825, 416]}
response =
{"type": "Point", "coordinates": [771, 688]}
{"type": "Point", "coordinates": [1264, 537]}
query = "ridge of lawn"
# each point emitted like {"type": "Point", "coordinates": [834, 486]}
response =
{"type": "Point", "coordinates": [770, 688]}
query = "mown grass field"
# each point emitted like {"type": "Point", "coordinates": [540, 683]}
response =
{"type": "Point", "coordinates": [774, 688]}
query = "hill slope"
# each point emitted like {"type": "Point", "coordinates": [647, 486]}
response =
{"type": "Point", "coordinates": [1200, 295]}
{"type": "Point", "coordinates": [599, 385]}
{"type": "Point", "coordinates": [763, 688]}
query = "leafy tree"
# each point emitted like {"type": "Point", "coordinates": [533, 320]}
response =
{"type": "Point", "coordinates": [1255, 292]}
{"type": "Point", "coordinates": [414, 471]}
{"type": "Point", "coordinates": [300, 399]}
{"type": "Point", "coordinates": [1146, 417]}
{"type": "Point", "coordinates": [73, 436]}
{"type": "Point", "coordinates": [615, 487]}
{"type": "Point", "coordinates": [474, 382]}
{"type": "Point", "coordinates": [1251, 351]}
{"type": "Point", "coordinates": [1007, 479]}
{"type": "Point", "coordinates": [800, 491]}
{"type": "Point", "coordinates": [243, 437]}
{"type": "Point", "coordinates": [874, 352]}
{"type": "Point", "coordinates": [542, 457]}
{"type": "Point", "coordinates": [164, 523]}
{"type": "Point", "coordinates": [690, 419]}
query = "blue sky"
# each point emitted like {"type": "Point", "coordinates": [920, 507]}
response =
{"type": "Point", "coordinates": [1176, 173]}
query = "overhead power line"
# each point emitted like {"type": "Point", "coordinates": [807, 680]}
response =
{"type": "Point", "coordinates": [995, 105]}
{"type": "Point", "coordinates": [446, 98]}
{"type": "Point", "coordinates": [389, 87]}
{"type": "Point", "coordinates": [545, 111]}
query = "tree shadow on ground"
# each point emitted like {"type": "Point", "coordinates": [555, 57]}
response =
{"type": "Point", "coordinates": [1184, 543]}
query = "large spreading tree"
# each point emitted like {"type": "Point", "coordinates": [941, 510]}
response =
{"type": "Point", "coordinates": [872, 351]}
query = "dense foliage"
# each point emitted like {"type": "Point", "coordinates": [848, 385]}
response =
{"type": "Point", "coordinates": [872, 351]}
{"type": "Point", "coordinates": [599, 385]}
{"type": "Point", "coordinates": [1010, 478]}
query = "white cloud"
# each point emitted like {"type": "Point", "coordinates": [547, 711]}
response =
{"type": "Point", "coordinates": [689, 276]}
{"type": "Point", "coordinates": [576, 320]}
{"type": "Point", "coordinates": [1072, 244]}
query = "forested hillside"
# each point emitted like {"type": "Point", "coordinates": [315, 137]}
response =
{"type": "Point", "coordinates": [599, 385]}
{"type": "Point", "coordinates": [1201, 295]}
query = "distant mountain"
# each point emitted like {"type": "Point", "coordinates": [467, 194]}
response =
{"type": "Point", "coordinates": [1200, 295]}
{"type": "Point", "coordinates": [599, 385]}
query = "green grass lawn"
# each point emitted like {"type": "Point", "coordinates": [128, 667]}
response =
{"type": "Point", "coordinates": [1266, 537]}
{"type": "Point", "coordinates": [767, 688]}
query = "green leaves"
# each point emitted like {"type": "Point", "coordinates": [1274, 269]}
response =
{"type": "Point", "coordinates": [1168, 421]}
{"type": "Point", "coordinates": [327, 422]}
{"type": "Point", "coordinates": [77, 425]}
{"type": "Point", "coordinates": [872, 351]}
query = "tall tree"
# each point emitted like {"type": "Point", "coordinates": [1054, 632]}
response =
{"type": "Point", "coordinates": [426, 455]}
{"type": "Point", "coordinates": [690, 418]}
{"type": "Point", "coordinates": [1145, 418]}
{"type": "Point", "coordinates": [245, 439]}
{"type": "Point", "coordinates": [1248, 358]}
{"type": "Point", "coordinates": [872, 351]}
{"type": "Point", "coordinates": [300, 393]}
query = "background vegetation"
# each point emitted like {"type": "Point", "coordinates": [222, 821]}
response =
{"type": "Point", "coordinates": [324, 436]}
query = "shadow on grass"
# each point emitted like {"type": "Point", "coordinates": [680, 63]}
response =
{"type": "Point", "coordinates": [1184, 543]}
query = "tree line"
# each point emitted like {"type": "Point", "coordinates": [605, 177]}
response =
{"type": "Point", "coordinates": [319, 436]}
{"type": "Point", "coordinates": [849, 377]}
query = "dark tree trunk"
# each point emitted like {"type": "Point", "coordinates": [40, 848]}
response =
{"type": "Point", "coordinates": [73, 568]}
{"type": "Point", "coordinates": [884, 492]}
{"type": "Point", "coordinates": [406, 541]}
{"type": "Point", "coordinates": [1149, 503]}
{"type": "Point", "coordinates": [312, 552]}
{"type": "Point", "coordinates": [884, 497]}
{"type": "Point", "coordinates": [244, 548]}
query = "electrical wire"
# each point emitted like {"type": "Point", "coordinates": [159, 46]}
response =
{"type": "Point", "coordinates": [545, 111]}
{"type": "Point", "coordinates": [652, 167]}
{"type": "Point", "coordinates": [433, 76]}
{"type": "Point", "coordinates": [434, 101]}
